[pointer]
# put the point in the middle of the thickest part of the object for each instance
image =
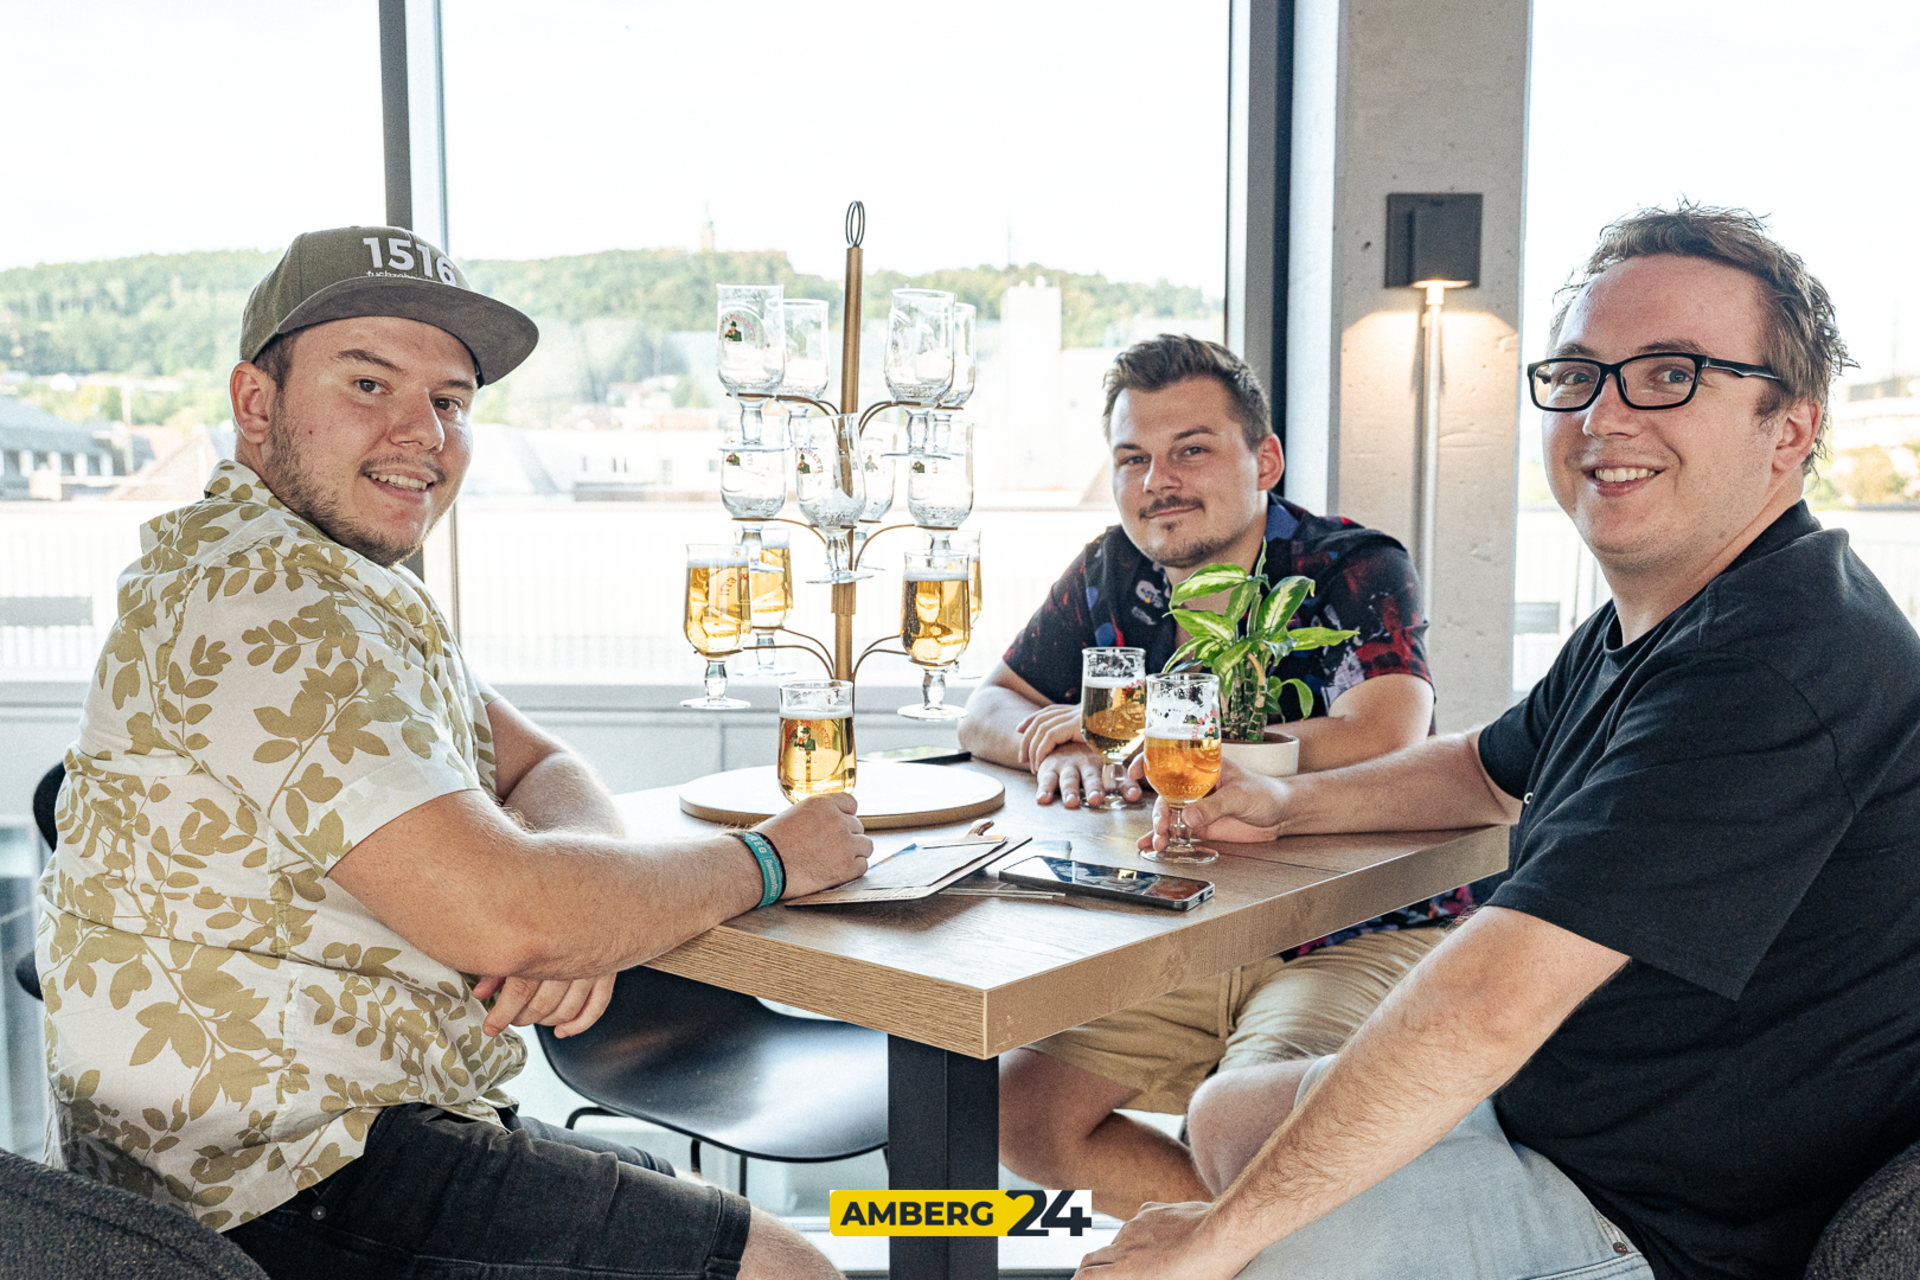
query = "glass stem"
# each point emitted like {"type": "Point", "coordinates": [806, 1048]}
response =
{"type": "Point", "coordinates": [763, 652]}
{"type": "Point", "coordinates": [916, 431]}
{"type": "Point", "coordinates": [1113, 778]}
{"type": "Point", "coordinates": [839, 553]}
{"type": "Point", "coordinates": [1179, 839]}
{"type": "Point", "coordinates": [716, 679]}
{"type": "Point", "coordinates": [933, 689]}
{"type": "Point", "coordinates": [750, 421]}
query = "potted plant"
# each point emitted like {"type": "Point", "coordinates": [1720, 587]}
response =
{"type": "Point", "coordinates": [1241, 643]}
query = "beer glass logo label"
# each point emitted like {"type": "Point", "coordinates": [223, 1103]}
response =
{"type": "Point", "coordinates": [1182, 720]}
{"type": "Point", "coordinates": [744, 327]}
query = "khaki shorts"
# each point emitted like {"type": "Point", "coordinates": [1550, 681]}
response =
{"type": "Point", "coordinates": [1273, 1011]}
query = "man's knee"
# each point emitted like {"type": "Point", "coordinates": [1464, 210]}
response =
{"type": "Point", "coordinates": [1233, 1113]}
{"type": "Point", "coordinates": [1049, 1107]}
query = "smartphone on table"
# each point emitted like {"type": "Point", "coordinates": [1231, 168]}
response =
{"type": "Point", "coordinates": [1126, 884]}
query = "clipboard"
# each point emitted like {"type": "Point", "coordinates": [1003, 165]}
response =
{"type": "Point", "coordinates": [915, 872]}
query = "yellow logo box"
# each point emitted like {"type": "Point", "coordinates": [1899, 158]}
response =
{"type": "Point", "coordinates": [959, 1213]}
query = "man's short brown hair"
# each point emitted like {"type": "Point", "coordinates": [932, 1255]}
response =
{"type": "Point", "coordinates": [1802, 342]}
{"type": "Point", "coordinates": [1157, 363]}
{"type": "Point", "coordinates": [276, 358]}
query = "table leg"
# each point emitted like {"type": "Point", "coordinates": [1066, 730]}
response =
{"type": "Point", "coordinates": [943, 1132]}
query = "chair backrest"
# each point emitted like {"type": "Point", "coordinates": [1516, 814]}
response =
{"type": "Point", "coordinates": [1876, 1234]}
{"type": "Point", "coordinates": [58, 1226]}
{"type": "Point", "coordinates": [46, 798]}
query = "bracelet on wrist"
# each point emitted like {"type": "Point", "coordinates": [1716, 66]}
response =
{"type": "Point", "coordinates": [773, 871]}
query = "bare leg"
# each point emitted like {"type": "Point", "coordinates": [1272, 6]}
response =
{"type": "Point", "coordinates": [1058, 1127]}
{"type": "Point", "coordinates": [775, 1251]}
{"type": "Point", "coordinates": [1233, 1114]}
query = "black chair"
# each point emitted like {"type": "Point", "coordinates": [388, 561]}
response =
{"type": "Point", "coordinates": [723, 1069]}
{"type": "Point", "coordinates": [1876, 1234]}
{"type": "Point", "coordinates": [46, 797]}
{"type": "Point", "coordinates": [59, 1226]}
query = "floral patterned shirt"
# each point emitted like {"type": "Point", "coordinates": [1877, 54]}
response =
{"type": "Point", "coordinates": [1362, 581]}
{"type": "Point", "coordinates": [223, 1021]}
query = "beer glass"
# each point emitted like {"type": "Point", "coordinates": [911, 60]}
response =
{"type": "Point", "coordinates": [878, 465]}
{"type": "Point", "coordinates": [752, 349]}
{"type": "Point", "coordinates": [940, 485]}
{"type": "Point", "coordinates": [805, 320]}
{"type": "Point", "coordinates": [831, 486]}
{"type": "Point", "coordinates": [919, 355]}
{"type": "Point", "coordinates": [1183, 753]}
{"type": "Point", "coordinates": [816, 738]}
{"type": "Point", "coordinates": [935, 623]}
{"type": "Point", "coordinates": [965, 542]}
{"type": "Point", "coordinates": [753, 479]}
{"type": "Point", "coordinates": [964, 373]}
{"type": "Point", "coordinates": [1113, 714]}
{"type": "Point", "coordinates": [770, 574]}
{"type": "Point", "coordinates": [719, 614]}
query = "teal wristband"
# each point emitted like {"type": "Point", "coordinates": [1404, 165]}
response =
{"type": "Point", "coordinates": [773, 871]}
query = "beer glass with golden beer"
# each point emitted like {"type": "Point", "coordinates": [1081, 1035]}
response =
{"type": "Point", "coordinates": [935, 623]}
{"type": "Point", "coordinates": [770, 572]}
{"type": "Point", "coordinates": [816, 738]}
{"type": "Point", "coordinates": [1183, 753]}
{"type": "Point", "coordinates": [1113, 714]}
{"type": "Point", "coordinates": [719, 614]}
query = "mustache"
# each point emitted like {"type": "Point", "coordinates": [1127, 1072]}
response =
{"type": "Point", "coordinates": [1168, 504]}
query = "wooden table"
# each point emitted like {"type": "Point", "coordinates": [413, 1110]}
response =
{"type": "Point", "coordinates": [956, 981]}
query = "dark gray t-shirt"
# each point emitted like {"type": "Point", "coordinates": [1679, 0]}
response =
{"type": "Point", "coordinates": [1733, 801]}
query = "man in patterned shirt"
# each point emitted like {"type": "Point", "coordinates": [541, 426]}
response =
{"type": "Point", "coordinates": [296, 824]}
{"type": "Point", "coordinates": [1194, 459]}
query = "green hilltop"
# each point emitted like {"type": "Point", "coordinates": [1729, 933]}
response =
{"type": "Point", "coordinates": [177, 316]}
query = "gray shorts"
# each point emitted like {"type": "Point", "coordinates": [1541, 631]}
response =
{"type": "Point", "coordinates": [1474, 1206]}
{"type": "Point", "coordinates": [438, 1194]}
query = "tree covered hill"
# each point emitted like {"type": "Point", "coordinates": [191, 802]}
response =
{"type": "Point", "coordinates": [169, 314]}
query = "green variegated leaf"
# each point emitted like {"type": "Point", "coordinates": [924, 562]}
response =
{"type": "Point", "coordinates": [1243, 598]}
{"type": "Point", "coordinates": [1318, 637]}
{"type": "Point", "coordinates": [1279, 607]}
{"type": "Point", "coordinates": [1277, 689]}
{"type": "Point", "coordinates": [1231, 656]}
{"type": "Point", "coordinates": [1208, 579]}
{"type": "Point", "coordinates": [1204, 626]}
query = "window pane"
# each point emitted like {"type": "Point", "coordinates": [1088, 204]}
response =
{"type": "Point", "coordinates": [178, 148]}
{"type": "Point", "coordinates": [1063, 171]}
{"type": "Point", "coordinates": [1813, 170]}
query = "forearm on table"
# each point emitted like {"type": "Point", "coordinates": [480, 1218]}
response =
{"type": "Point", "coordinates": [1373, 718]}
{"type": "Point", "coordinates": [1437, 784]}
{"type": "Point", "coordinates": [988, 730]}
{"type": "Point", "coordinates": [1455, 1030]}
{"type": "Point", "coordinates": [563, 793]}
{"type": "Point", "coordinates": [474, 891]}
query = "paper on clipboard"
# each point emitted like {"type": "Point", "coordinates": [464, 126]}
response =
{"type": "Point", "coordinates": [913, 873]}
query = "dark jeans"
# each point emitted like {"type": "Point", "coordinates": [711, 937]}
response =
{"type": "Point", "coordinates": [442, 1196]}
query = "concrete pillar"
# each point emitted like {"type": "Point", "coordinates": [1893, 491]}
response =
{"type": "Point", "coordinates": [1411, 96]}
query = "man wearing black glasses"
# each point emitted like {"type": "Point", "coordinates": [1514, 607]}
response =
{"type": "Point", "coordinates": [1684, 1029]}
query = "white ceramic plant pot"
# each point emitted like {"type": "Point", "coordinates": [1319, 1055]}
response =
{"type": "Point", "coordinates": [1277, 757]}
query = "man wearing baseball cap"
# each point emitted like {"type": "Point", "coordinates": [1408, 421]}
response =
{"type": "Point", "coordinates": [311, 868]}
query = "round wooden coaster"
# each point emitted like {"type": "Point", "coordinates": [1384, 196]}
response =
{"type": "Point", "coordinates": [892, 795]}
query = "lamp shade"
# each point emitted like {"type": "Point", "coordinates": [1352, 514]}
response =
{"type": "Point", "coordinates": [1433, 237]}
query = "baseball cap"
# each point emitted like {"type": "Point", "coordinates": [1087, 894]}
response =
{"type": "Point", "coordinates": [383, 271]}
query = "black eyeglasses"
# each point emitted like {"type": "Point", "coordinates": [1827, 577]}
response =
{"type": "Point", "coordinates": [1661, 380]}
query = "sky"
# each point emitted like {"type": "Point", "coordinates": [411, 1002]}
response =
{"type": "Point", "coordinates": [1091, 132]}
{"type": "Point", "coordinates": [580, 125]}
